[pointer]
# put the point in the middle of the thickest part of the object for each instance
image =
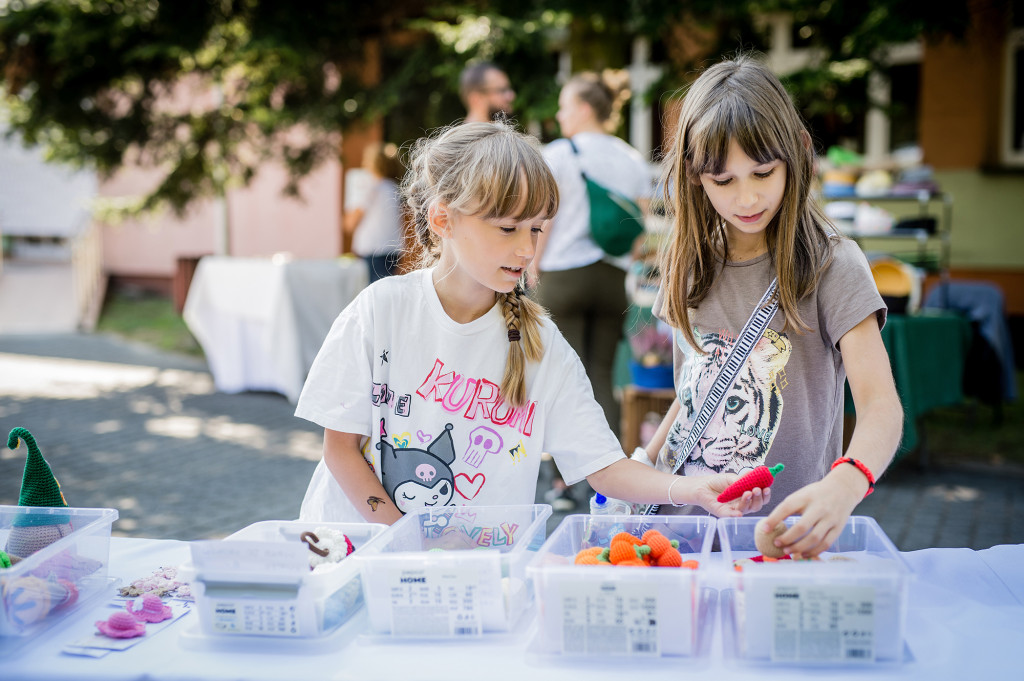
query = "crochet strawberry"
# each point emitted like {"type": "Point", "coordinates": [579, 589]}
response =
{"type": "Point", "coordinates": [762, 477]}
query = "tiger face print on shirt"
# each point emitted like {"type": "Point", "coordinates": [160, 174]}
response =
{"type": "Point", "coordinates": [740, 433]}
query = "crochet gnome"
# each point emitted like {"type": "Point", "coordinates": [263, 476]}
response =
{"type": "Point", "coordinates": [30, 533]}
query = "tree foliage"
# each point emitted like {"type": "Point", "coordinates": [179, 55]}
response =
{"type": "Point", "coordinates": [208, 90]}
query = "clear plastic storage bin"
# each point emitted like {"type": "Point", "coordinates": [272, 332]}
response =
{"type": "Point", "coordinates": [847, 608]}
{"type": "Point", "coordinates": [48, 585]}
{"type": "Point", "coordinates": [452, 572]}
{"type": "Point", "coordinates": [598, 610]}
{"type": "Point", "coordinates": [258, 582]}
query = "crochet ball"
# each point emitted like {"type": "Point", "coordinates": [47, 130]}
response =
{"type": "Point", "coordinates": [764, 540]}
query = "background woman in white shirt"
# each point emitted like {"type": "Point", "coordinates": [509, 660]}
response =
{"type": "Point", "coordinates": [582, 287]}
{"type": "Point", "coordinates": [375, 220]}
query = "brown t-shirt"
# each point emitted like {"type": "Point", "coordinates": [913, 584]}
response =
{"type": "Point", "coordinates": [786, 403]}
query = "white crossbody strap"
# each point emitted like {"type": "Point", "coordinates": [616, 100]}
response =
{"type": "Point", "coordinates": [752, 331]}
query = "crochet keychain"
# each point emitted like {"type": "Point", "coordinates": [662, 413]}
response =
{"type": "Point", "coordinates": [327, 545]}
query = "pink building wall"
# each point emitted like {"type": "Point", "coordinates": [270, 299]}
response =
{"type": "Point", "coordinates": [263, 222]}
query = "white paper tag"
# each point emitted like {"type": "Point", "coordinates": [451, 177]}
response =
{"type": "Point", "coordinates": [613, 618]}
{"type": "Point", "coordinates": [436, 601]}
{"type": "Point", "coordinates": [241, 561]}
{"type": "Point", "coordinates": [823, 623]}
{"type": "Point", "coordinates": [98, 645]}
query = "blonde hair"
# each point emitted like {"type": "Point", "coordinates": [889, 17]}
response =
{"type": "Point", "coordinates": [739, 100]}
{"type": "Point", "coordinates": [604, 92]}
{"type": "Point", "coordinates": [490, 171]}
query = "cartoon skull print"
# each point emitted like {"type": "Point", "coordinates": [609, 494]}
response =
{"type": "Point", "coordinates": [482, 441]}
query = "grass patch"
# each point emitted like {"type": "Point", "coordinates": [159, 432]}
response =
{"type": "Point", "coordinates": [973, 432]}
{"type": "Point", "coordinates": [147, 318]}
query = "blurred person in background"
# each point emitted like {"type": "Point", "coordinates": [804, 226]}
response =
{"type": "Point", "coordinates": [375, 219]}
{"type": "Point", "coordinates": [486, 92]}
{"type": "Point", "coordinates": [581, 286]}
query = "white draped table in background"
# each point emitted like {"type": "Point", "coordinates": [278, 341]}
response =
{"type": "Point", "coordinates": [261, 321]}
{"type": "Point", "coordinates": [965, 620]}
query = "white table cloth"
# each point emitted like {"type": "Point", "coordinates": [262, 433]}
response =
{"type": "Point", "coordinates": [261, 321]}
{"type": "Point", "coordinates": [965, 621]}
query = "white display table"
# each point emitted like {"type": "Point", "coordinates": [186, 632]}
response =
{"type": "Point", "coordinates": [261, 321]}
{"type": "Point", "coordinates": [965, 621]}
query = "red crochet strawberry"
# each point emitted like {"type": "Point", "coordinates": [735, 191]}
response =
{"type": "Point", "coordinates": [762, 477]}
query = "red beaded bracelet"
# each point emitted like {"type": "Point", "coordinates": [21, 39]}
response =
{"type": "Point", "coordinates": [862, 468]}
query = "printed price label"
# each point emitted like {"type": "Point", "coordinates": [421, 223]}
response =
{"type": "Point", "coordinates": [255, 617]}
{"type": "Point", "coordinates": [610, 617]}
{"type": "Point", "coordinates": [436, 601]}
{"type": "Point", "coordinates": [823, 623]}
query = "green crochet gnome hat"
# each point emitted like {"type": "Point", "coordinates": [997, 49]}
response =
{"type": "Point", "coordinates": [38, 486]}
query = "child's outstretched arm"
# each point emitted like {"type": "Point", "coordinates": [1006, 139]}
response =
{"type": "Point", "coordinates": [633, 481]}
{"type": "Point", "coordinates": [357, 481]}
{"type": "Point", "coordinates": [827, 504]}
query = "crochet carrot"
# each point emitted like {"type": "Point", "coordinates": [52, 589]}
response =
{"type": "Point", "coordinates": [762, 477]}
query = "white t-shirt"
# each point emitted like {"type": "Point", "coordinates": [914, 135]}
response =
{"type": "Point", "coordinates": [424, 390]}
{"type": "Point", "coordinates": [380, 230]}
{"type": "Point", "coordinates": [610, 162]}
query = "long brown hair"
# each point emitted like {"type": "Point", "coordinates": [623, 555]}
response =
{"type": "Point", "coordinates": [739, 100]}
{"type": "Point", "coordinates": [490, 171]}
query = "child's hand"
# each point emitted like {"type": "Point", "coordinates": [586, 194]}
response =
{"type": "Point", "coordinates": [823, 507]}
{"type": "Point", "coordinates": [708, 487]}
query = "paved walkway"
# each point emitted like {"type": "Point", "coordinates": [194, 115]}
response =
{"type": "Point", "coordinates": [126, 427]}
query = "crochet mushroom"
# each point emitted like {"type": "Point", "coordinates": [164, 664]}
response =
{"type": "Point", "coordinates": [121, 625]}
{"type": "Point", "coordinates": [153, 609]}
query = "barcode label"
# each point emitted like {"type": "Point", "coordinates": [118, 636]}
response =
{"type": "Point", "coordinates": [436, 601]}
{"type": "Point", "coordinates": [612, 618]}
{"type": "Point", "coordinates": [823, 623]}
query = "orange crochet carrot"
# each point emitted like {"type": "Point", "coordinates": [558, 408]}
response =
{"type": "Point", "coordinates": [620, 551]}
{"type": "Point", "coordinates": [762, 477]}
{"type": "Point", "coordinates": [627, 537]}
{"type": "Point", "coordinates": [670, 558]}
{"type": "Point", "coordinates": [658, 542]}
{"type": "Point", "coordinates": [588, 556]}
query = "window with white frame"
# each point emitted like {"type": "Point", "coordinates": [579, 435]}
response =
{"type": "Point", "coordinates": [881, 130]}
{"type": "Point", "coordinates": [1013, 94]}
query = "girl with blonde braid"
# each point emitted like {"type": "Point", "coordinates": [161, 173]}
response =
{"type": "Point", "coordinates": [444, 386]}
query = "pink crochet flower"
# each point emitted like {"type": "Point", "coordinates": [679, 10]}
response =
{"type": "Point", "coordinates": [121, 625]}
{"type": "Point", "coordinates": [153, 609]}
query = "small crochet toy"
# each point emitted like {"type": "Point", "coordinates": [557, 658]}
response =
{"type": "Point", "coordinates": [30, 598]}
{"type": "Point", "coordinates": [765, 540]}
{"type": "Point", "coordinates": [30, 533]}
{"type": "Point", "coordinates": [762, 477]}
{"type": "Point", "coordinates": [652, 550]}
{"type": "Point", "coordinates": [121, 625]}
{"type": "Point", "coordinates": [327, 546]}
{"type": "Point", "coordinates": [163, 582]}
{"type": "Point", "coordinates": [153, 609]}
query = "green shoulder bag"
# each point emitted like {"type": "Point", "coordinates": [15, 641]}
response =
{"type": "Point", "coordinates": [615, 220]}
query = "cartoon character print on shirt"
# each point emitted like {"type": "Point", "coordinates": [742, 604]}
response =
{"type": "Point", "coordinates": [741, 431]}
{"type": "Point", "coordinates": [418, 478]}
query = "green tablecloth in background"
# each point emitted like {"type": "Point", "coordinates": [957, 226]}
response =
{"type": "Point", "coordinates": [927, 353]}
